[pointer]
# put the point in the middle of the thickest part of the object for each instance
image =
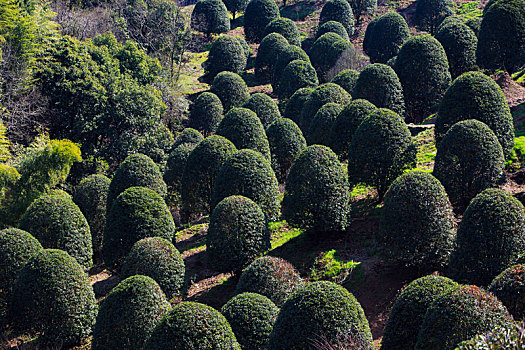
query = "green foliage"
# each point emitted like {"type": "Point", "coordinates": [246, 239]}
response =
{"type": "Point", "coordinates": [226, 54]}
{"type": "Point", "coordinates": [332, 27]}
{"type": "Point", "coordinates": [295, 104]}
{"type": "Point", "coordinates": [320, 96]}
{"type": "Point", "coordinates": [500, 338]}
{"type": "Point", "coordinates": [339, 11]}
{"type": "Point", "coordinates": [384, 37]}
{"type": "Point", "coordinates": [325, 312]}
{"type": "Point", "coordinates": [329, 267]}
{"type": "Point", "coordinates": [265, 108]}
{"type": "Point", "coordinates": [319, 129]}
{"type": "Point", "coordinates": [270, 48]}
{"type": "Point", "coordinates": [235, 6]}
{"type": "Point", "coordinates": [52, 296]}
{"type": "Point", "coordinates": [363, 7]}
{"type": "Point", "coordinates": [289, 54]}
{"type": "Point", "coordinates": [286, 27]}
{"type": "Point", "coordinates": [210, 16]}
{"type": "Point", "coordinates": [346, 79]}
{"type": "Point", "coordinates": [129, 314]}
{"type": "Point", "coordinates": [188, 136]}
{"type": "Point", "coordinates": [5, 144]}
{"type": "Point", "coordinates": [327, 51]}
{"type": "Point", "coordinates": [409, 310]}
{"type": "Point", "coordinates": [206, 113]}
{"type": "Point", "coordinates": [509, 287]}
{"type": "Point", "coordinates": [231, 90]}
{"type": "Point", "coordinates": [258, 14]}
{"type": "Point", "coordinates": [298, 74]}
{"type": "Point", "coordinates": [175, 167]}
{"type": "Point", "coordinates": [430, 13]}
{"type": "Point", "coordinates": [475, 24]}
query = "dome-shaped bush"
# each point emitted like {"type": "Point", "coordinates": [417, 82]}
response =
{"type": "Point", "coordinates": [316, 196]}
{"type": "Point", "coordinates": [409, 310]}
{"type": "Point", "coordinates": [332, 27]}
{"type": "Point", "coordinates": [210, 16]}
{"type": "Point", "coordinates": [346, 79]}
{"type": "Point", "coordinates": [320, 311]}
{"type": "Point", "coordinates": [298, 74]}
{"type": "Point", "coordinates": [275, 278]}
{"type": "Point", "coordinates": [327, 54]}
{"type": "Point", "coordinates": [430, 13]}
{"type": "Point", "coordinates": [295, 104]}
{"type": "Point", "coordinates": [346, 124]}
{"type": "Point", "coordinates": [137, 213]}
{"type": "Point", "coordinates": [58, 223]}
{"type": "Point", "coordinates": [91, 197]}
{"type": "Point", "coordinates": [286, 27]}
{"type": "Point", "coordinates": [242, 127]}
{"type": "Point", "coordinates": [362, 7]}
{"type": "Point", "coordinates": [339, 11]}
{"type": "Point", "coordinates": [322, 95]}
{"type": "Point", "coordinates": [417, 222]}
{"type": "Point", "coordinates": [206, 113]}
{"type": "Point", "coordinates": [231, 90]}
{"type": "Point", "coordinates": [385, 37]}
{"type": "Point", "coordinates": [319, 130]}
{"type": "Point", "coordinates": [248, 173]}
{"type": "Point", "coordinates": [474, 23]}
{"type": "Point", "coordinates": [265, 108]}
{"type": "Point", "coordinates": [380, 151]}
{"type": "Point", "coordinates": [501, 43]}
{"type": "Point", "coordinates": [175, 167]}
{"type": "Point", "coordinates": [129, 313]}
{"type": "Point", "coordinates": [476, 96]}
{"type": "Point", "coordinates": [258, 14]}
{"type": "Point", "coordinates": [202, 167]}
{"type": "Point", "coordinates": [53, 297]}
{"type": "Point", "coordinates": [235, 6]}
{"type": "Point", "coordinates": [491, 237]}
{"type": "Point", "coordinates": [188, 136]}
{"type": "Point", "coordinates": [251, 317]}
{"type": "Point", "coordinates": [379, 84]}
{"type": "Point", "coordinates": [193, 326]}
{"type": "Point", "coordinates": [459, 315]}
{"type": "Point", "coordinates": [271, 46]}
{"type": "Point", "coordinates": [423, 70]}
{"type": "Point", "coordinates": [469, 159]}
{"type": "Point", "coordinates": [289, 54]}
{"type": "Point", "coordinates": [226, 54]}
{"type": "Point", "coordinates": [157, 258]}
{"type": "Point", "coordinates": [286, 142]}
{"type": "Point", "coordinates": [509, 287]}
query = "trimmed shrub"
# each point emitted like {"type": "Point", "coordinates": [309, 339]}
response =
{"type": "Point", "coordinates": [242, 127]}
{"type": "Point", "coordinates": [289, 54]}
{"type": "Point", "coordinates": [210, 16]}
{"type": "Point", "coordinates": [231, 90]}
{"type": "Point", "coordinates": [430, 13]}
{"type": "Point", "coordinates": [385, 37]}
{"type": "Point", "coordinates": [286, 143]}
{"type": "Point", "coordinates": [53, 297]}
{"type": "Point", "coordinates": [409, 310]}
{"type": "Point", "coordinates": [258, 14]}
{"type": "Point", "coordinates": [58, 223]}
{"type": "Point", "coordinates": [423, 71]}
{"type": "Point", "coordinates": [251, 317]}
{"type": "Point", "coordinates": [469, 159]}
{"type": "Point", "coordinates": [265, 108]}
{"type": "Point", "coordinates": [363, 7]}
{"type": "Point", "coordinates": [500, 338]}
{"type": "Point", "coordinates": [501, 43]}
{"type": "Point", "coordinates": [474, 23]}
{"type": "Point", "coordinates": [339, 11]}
{"type": "Point", "coordinates": [379, 84]}
{"type": "Point", "coordinates": [509, 287]}
{"type": "Point", "coordinates": [298, 74]}
{"type": "Point", "coordinates": [332, 27]}
{"type": "Point", "coordinates": [91, 197]}
{"type": "Point", "coordinates": [129, 314]}
{"type": "Point", "coordinates": [175, 167]}
{"type": "Point", "coordinates": [248, 173]}
{"type": "Point", "coordinates": [326, 53]}
{"type": "Point", "coordinates": [380, 151]}
{"type": "Point", "coordinates": [346, 124]}
{"type": "Point", "coordinates": [235, 6]}
{"type": "Point", "coordinates": [271, 46]}
{"type": "Point", "coordinates": [206, 113]}
{"type": "Point", "coordinates": [459, 315]}
{"type": "Point", "coordinates": [476, 96]}
{"type": "Point", "coordinates": [245, 46]}
{"type": "Point", "coordinates": [286, 27]}
{"type": "Point", "coordinates": [188, 136]}
{"type": "Point", "coordinates": [320, 96]}
{"type": "Point", "coordinates": [201, 169]}
{"type": "Point", "coordinates": [137, 213]}
{"type": "Point", "coordinates": [226, 54]}
{"type": "Point", "coordinates": [324, 119]}
{"type": "Point", "coordinates": [319, 201]}
{"type": "Point", "coordinates": [491, 237]}
{"type": "Point", "coordinates": [417, 222]}
{"type": "Point", "coordinates": [157, 258]}
{"type": "Point", "coordinates": [325, 311]}
{"type": "Point", "coordinates": [295, 104]}
{"type": "Point", "coordinates": [346, 79]}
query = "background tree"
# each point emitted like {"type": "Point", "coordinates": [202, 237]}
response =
{"type": "Point", "coordinates": [210, 16]}
{"type": "Point", "coordinates": [339, 11]}
{"type": "Point", "coordinates": [430, 13]}
{"type": "Point", "coordinates": [385, 36]}
{"type": "Point", "coordinates": [258, 14]}
{"type": "Point", "coordinates": [226, 54]}
{"type": "Point", "coordinates": [361, 8]}
{"type": "Point", "coordinates": [235, 6]}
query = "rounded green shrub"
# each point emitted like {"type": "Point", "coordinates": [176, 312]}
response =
{"type": "Point", "coordinates": [476, 96]}
{"type": "Point", "coordinates": [409, 310]}
{"type": "Point", "coordinates": [235, 6]}
{"type": "Point", "coordinates": [509, 287]}
{"type": "Point", "coordinates": [289, 54]}
{"type": "Point", "coordinates": [319, 130]}
{"type": "Point", "coordinates": [327, 54]}
{"type": "Point", "coordinates": [251, 317]}
{"type": "Point", "coordinates": [417, 224]}
{"type": "Point", "coordinates": [379, 84]}
{"type": "Point", "coordinates": [210, 16]}
{"type": "Point", "coordinates": [363, 7]}
{"type": "Point", "coordinates": [258, 14]}
{"type": "Point", "coordinates": [339, 11]}
{"type": "Point", "coordinates": [188, 136]}
{"type": "Point", "coordinates": [385, 37]}
{"type": "Point", "coordinates": [58, 223]}
{"type": "Point", "coordinates": [297, 75]}
{"type": "Point", "coordinates": [91, 196]}
{"type": "Point", "coordinates": [245, 46]}
{"type": "Point", "coordinates": [320, 201]}
{"type": "Point", "coordinates": [206, 113]}
{"type": "Point", "coordinates": [322, 95]}
{"type": "Point", "coordinates": [226, 54]}
{"type": "Point", "coordinates": [295, 104]}
{"type": "Point", "coordinates": [242, 127]}
{"type": "Point", "coordinates": [423, 70]}
{"type": "Point", "coordinates": [332, 27]}
{"type": "Point", "coordinates": [459, 315]}
{"type": "Point", "coordinates": [129, 313]}
{"type": "Point", "coordinates": [430, 13]}
{"type": "Point", "coordinates": [248, 173]}
{"type": "Point", "coordinates": [286, 27]}
{"type": "Point", "coordinates": [193, 326]}
{"type": "Point", "coordinates": [469, 159]}
{"type": "Point", "coordinates": [491, 237]}
{"type": "Point", "coordinates": [201, 169]}
{"type": "Point", "coordinates": [474, 23]}
{"type": "Point", "coordinates": [265, 108]}
{"type": "Point", "coordinates": [346, 124]}
{"type": "Point", "coordinates": [137, 213]}
{"type": "Point", "coordinates": [325, 311]}
{"type": "Point", "coordinates": [231, 90]}
{"type": "Point", "coordinates": [286, 143]}
{"type": "Point", "coordinates": [381, 149]}
{"type": "Point", "coordinates": [157, 258]}
{"type": "Point", "coordinates": [175, 167]}
{"type": "Point", "coordinates": [52, 297]}
{"type": "Point", "coordinates": [346, 79]}
{"type": "Point", "coordinates": [271, 46]}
